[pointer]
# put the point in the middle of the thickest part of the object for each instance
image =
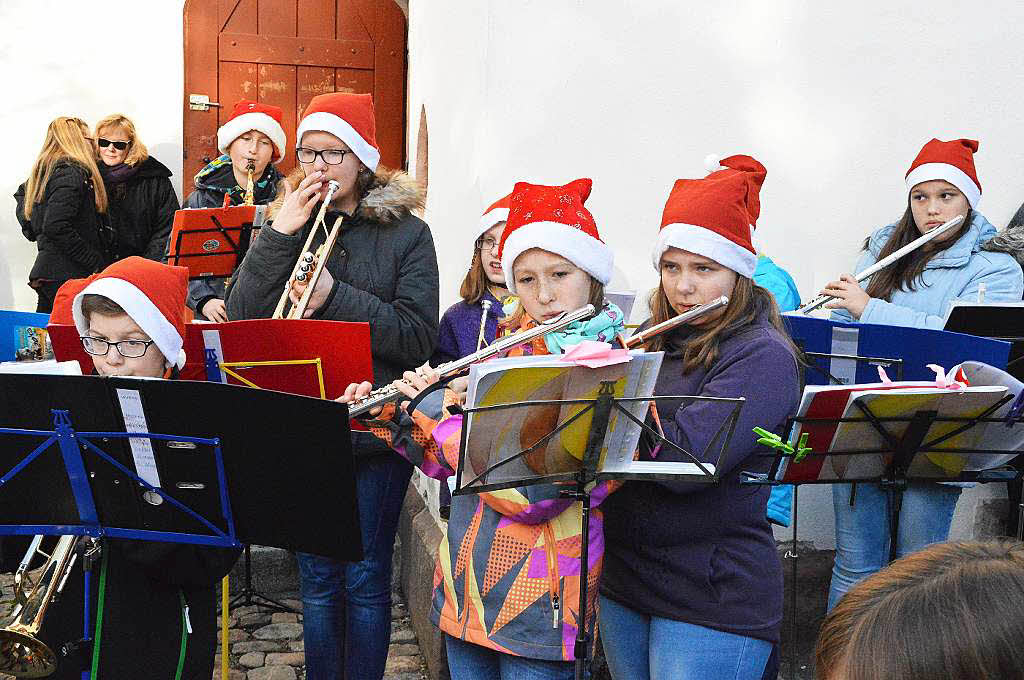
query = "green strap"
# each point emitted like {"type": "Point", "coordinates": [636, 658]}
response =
{"type": "Point", "coordinates": [94, 672]}
{"type": "Point", "coordinates": [184, 637]}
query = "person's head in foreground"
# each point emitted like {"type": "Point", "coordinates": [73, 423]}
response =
{"type": "Point", "coordinates": [131, 317]}
{"type": "Point", "coordinates": [953, 611]}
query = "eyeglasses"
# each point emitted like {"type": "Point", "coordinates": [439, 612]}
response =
{"type": "Point", "coordinates": [120, 146]}
{"type": "Point", "coordinates": [330, 156]}
{"type": "Point", "coordinates": [485, 243]}
{"type": "Point", "coordinates": [129, 349]}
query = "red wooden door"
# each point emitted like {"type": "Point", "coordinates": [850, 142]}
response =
{"type": "Point", "coordinates": [284, 52]}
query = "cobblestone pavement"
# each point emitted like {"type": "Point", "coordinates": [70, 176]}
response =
{"type": "Point", "coordinates": [269, 646]}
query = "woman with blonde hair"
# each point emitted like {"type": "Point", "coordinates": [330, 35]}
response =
{"type": "Point", "coordinates": [63, 210]}
{"type": "Point", "coordinates": [138, 186]}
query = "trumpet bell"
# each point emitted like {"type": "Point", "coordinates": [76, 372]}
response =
{"type": "Point", "coordinates": [24, 656]}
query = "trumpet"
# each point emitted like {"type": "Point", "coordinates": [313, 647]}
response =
{"type": "Point", "coordinates": [22, 654]}
{"type": "Point", "coordinates": [888, 260]}
{"type": "Point", "coordinates": [390, 393]}
{"type": "Point", "coordinates": [645, 336]}
{"type": "Point", "coordinates": [250, 196]}
{"type": "Point", "coordinates": [310, 266]}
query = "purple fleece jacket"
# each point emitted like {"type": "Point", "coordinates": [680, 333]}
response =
{"type": "Point", "coordinates": [460, 329]}
{"type": "Point", "coordinates": [705, 554]}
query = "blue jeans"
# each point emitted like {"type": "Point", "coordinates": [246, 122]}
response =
{"type": "Point", "coordinates": [642, 647]}
{"type": "Point", "coordinates": [862, 530]}
{"type": "Point", "coordinates": [467, 661]}
{"type": "Point", "coordinates": [347, 606]}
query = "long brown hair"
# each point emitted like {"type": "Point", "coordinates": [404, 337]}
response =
{"type": "Point", "coordinates": [476, 282]}
{"type": "Point", "coordinates": [747, 302]}
{"type": "Point", "coordinates": [904, 274]}
{"type": "Point", "coordinates": [137, 152]}
{"type": "Point", "coordinates": [952, 610]}
{"type": "Point", "coordinates": [65, 142]}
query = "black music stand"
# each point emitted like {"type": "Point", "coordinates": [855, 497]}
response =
{"type": "Point", "coordinates": [904, 449]}
{"type": "Point", "coordinates": [583, 480]}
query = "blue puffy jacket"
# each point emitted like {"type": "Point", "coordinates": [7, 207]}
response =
{"type": "Point", "coordinates": [955, 273]}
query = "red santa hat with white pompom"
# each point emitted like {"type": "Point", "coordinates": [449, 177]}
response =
{"type": "Point", "coordinates": [151, 293]}
{"type": "Point", "coordinates": [715, 216]}
{"type": "Point", "coordinates": [554, 219]}
{"type": "Point", "coordinates": [951, 161]}
{"type": "Point", "coordinates": [496, 213]}
{"type": "Point", "coordinates": [249, 115]}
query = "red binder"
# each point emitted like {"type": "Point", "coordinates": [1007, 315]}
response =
{"type": "Point", "coordinates": [342, 347]}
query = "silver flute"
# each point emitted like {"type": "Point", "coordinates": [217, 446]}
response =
{"type": "Point", "coordinates": [390, 393]}
{"type": "Point", "coordinates": [888, 260]}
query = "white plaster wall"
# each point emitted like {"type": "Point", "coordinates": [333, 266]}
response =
{"type": "Point", "coordinates": [88, 60]}
{"type": "Point", "coordinates": [834, 98]}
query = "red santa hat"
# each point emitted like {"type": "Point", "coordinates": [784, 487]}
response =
{"type": "Point", "coordinates": [554, 219]}
{"type": "Point", "coordinates": [249, 115]}
{"type": "Point", "coordinates": [951, 161]}
{"type": "Point", "coordinates": [496, 213]}
{"type": "Point", "coordinates": [152, 294]}
{"type": "Point", "coordinates": [347, 116]}
{"type": "Point", "coordinates": [715, 216]}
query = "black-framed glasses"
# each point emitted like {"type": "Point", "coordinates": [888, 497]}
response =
{"type": "Point", "coordinates": [486, 243]}
{"type": "Point", "coordinates": [120, 146]}
{"type": "Point", "coordinates": [330, 156]}
{"type": "Point", "coordinates": [129, 349]}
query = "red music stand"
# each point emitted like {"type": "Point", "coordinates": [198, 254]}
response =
{"type": "Point", "coordinates": [211, 242]}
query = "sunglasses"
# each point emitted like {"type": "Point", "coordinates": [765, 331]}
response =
{"type": "Point", "coordinates": [120, 146]}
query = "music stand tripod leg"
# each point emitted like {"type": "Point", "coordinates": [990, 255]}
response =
{"type": "Point", "coordinates": [251, 596]}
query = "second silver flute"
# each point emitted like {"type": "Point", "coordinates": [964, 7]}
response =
{"type": "Point", "coordinates": [888, 260]}
{"type": "Point", "coordinates": [389, 393]}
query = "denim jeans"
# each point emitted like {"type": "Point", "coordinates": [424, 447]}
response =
{"type": "Point", "coordinates": [862, 530]}
{"type": "Point", "coordinates": [347, 607]}
{"type": "Point", "coordinates": [642, 647]}
{"type": "Point", "coordinates": [467, 661]}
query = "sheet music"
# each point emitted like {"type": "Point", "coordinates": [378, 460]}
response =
{"type": "Point", "coordinates": [142, 449]}
{"type": "Point", "coordinates": [211, 340]}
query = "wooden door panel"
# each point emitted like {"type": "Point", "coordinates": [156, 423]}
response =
{"type": "Point", "coordinates": [285, 52]}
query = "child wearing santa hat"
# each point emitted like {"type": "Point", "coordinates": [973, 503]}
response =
{"type": "Point", "coordinates": [502, 619]}
{"type": "Point", "coordinates": [252, 134]}
{"type": "Point", "coordinates": [157, 617]}
{"type": "Point", "coordinates": [692, 585]}
{"type": "Point", "coordinates": [916, 291]}
{"type": "Point", "coordinates": [460, 332]}
{"type": "Point", "coordinates": [382, 271]}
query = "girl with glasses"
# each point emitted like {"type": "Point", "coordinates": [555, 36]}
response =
{"type": "Point", "coordinates": [142, 199]}
{"type": "Point", "coordinates": [460, 332]}
{"type": "Point", "coordinates": [62, 208]}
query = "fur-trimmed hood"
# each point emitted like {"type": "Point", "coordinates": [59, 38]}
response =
{"type": "Point", "coordinates": [392, 195]}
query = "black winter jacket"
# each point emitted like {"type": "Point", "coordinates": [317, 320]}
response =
{"type": "Point", "coordinates": [74, 240]}
{"type": "Point", "coordinates": [142, 211]}
{"type": "Point", "coordinates": [385, 272]}
{"type": "Point", "coordinates": [211, 184]}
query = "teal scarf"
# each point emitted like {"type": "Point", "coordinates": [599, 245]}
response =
{"type": "Point", "coordinates": [602, 327]}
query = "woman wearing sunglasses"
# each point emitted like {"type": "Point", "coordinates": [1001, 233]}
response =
{"type": "Point", "coordinates": [142, 200]}
{"type": "Point", "coordinates": [61, 207]}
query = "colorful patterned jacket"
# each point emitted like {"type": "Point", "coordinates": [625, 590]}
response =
{"type": "Point", "coordinates": [507, 573]}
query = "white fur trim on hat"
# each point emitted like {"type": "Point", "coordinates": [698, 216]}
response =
{"type": "Point", "coordinates": [490, 219]}
{"type": "Point", "coordinates": [577, 246]}
{"type": "Point", "coordinates": [950, 173]}
{"type": "Point", "coordinates": [254, 120]}
{"type": "Point", "coordinates": [339, 127]}
{"type": "Point", "coordinates": [142, 311]}
{"type": "Point", "coordinates": [703, 241]}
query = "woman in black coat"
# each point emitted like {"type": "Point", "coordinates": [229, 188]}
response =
{"type": "Point", "coordinates": [63, 210]}
{"type": "Point", "coordinates": [142, 200]}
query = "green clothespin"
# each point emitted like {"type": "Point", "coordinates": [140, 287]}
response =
{"type": "Point", "coordinates": [774, 441]}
